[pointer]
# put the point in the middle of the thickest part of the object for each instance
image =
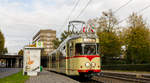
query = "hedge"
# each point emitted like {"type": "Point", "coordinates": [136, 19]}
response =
{"type": "Point", "coordinates": [128, 67]}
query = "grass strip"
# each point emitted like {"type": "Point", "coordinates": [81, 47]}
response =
{"type": "Point", "coordinates": [15, 78]}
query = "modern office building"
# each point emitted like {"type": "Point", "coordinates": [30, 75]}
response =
{"type": "Point", "coordinates": [45, 36]}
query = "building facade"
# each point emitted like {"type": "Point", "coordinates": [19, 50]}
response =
{"type": "Point", "coordinates": [45, 36]}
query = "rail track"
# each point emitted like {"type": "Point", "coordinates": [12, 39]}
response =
{"type": "Point", "coordinates": [110, 77]}
{"type": "Point", "coordinates": [86, 80]}
{"type": "Point", "coordinates": [129, 78]}
{"type": "Point", "coordinates": [79, 79]}
{"type": "Point", "coordinates": [117, 78]}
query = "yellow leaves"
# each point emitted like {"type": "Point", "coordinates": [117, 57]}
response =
{"type": "Point", "coordinates": [2, 42]}
{"type": "Point", "coordinates": [109, 42]}
{"type": "Point", "coordinates": [20, 52]}
{"type": "Point", "coordinates": [137, 39]}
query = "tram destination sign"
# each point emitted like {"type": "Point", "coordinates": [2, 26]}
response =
{"type": "Point", "coordinates": [89, 40]}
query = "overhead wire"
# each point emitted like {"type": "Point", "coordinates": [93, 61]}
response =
{"type": "Point", "coordinates": [88, 3]}
{"type": "Point", "coordinates": [143, 9]}
{"type": "Point", "coordinates": [73, 9]}
{"type": "Point", "coordinates": [69, 15]}
{"type": "Point", "coordinates": [114, 11]}
{"type": "Point", "coordinates": [137, 12]}
{"type": "Point", "coordinates": [122, 6]}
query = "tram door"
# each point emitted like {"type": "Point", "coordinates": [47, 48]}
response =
{"type": "Point", "coordinates": [69, 54]}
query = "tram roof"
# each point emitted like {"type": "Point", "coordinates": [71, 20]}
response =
{"type": "Point", "coordinates": [73, 36]}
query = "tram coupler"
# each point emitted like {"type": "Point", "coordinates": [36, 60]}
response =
{"type": "Point", "coordinates": [96, 74]}
{"type": "Point", "coordinates": [99, 74]}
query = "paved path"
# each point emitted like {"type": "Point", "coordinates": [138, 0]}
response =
{"type": "Point", "coordinates": [8, 71]}
{"type": "Point", "coordinates": [50, 77]}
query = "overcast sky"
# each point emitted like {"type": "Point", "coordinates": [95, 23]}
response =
{"type": "Point", "coordinates": [21, 19]}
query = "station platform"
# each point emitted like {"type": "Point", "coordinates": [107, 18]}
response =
{"type": "Point", "coordinates": [50, 77]}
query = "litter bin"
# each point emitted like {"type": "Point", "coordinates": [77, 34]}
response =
{"type": "Point", "coordinates": [41, 68]}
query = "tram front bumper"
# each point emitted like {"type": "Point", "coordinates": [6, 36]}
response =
{"type": "Point", "coordinates": [89, 70]}
{"type": "Point", "coordinates": [90, 73]}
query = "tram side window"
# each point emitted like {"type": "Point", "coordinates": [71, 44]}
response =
{"type": "Point", "coordinates": [61, 56]}
{"type": "Point", "coordinates": [78, 50]}
{"type": "Point", "coordinates": [71, 49]}
{"type": "Point", "coordinates": [53, 58]}
{"type": "Point", "coordinates": [64, 51]}
{"type": "Point", "coordinates": [98, 48]}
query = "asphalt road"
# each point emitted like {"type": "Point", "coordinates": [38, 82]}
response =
{"type": "Point", "coordinates": [8, 71]}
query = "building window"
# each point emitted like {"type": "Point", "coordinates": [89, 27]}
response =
{"type": "Point", "coordinates": [48, 34]}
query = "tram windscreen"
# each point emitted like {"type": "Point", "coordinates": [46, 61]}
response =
{"type": "Point", "coordinates": [86, 49]}
{"type": "Point", "coordinates": [90, 49]}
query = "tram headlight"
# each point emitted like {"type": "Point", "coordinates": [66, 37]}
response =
{"type": "Point", "coordinates": [93, 64]}
{"type": "Point", "coordinates": [87, 64]}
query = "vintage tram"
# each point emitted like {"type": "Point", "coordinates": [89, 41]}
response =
{"type": "Point", "coordinates": [78, 55]}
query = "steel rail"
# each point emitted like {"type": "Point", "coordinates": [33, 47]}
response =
{"type": "Point", "coordinates": [127, 77]}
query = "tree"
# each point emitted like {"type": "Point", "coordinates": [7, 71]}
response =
{"type": "Point", "coordinates": [64, 35]}
{"type": "Point", "coordinates": [137, 39]}
{"type": "Point", "coordinates": [2, 42]}
{"type": "Point", "coordinates": [20, 52]}
{"type": "Point", "coordinates": [110, 45]}
{"type": "Point", "coordinates": [107, 22]}
{"type": "Point", "coordinates": [5, 51]}
{"type": "Point", "coordinates": [56, 43]}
